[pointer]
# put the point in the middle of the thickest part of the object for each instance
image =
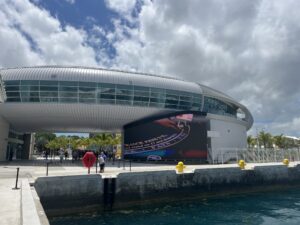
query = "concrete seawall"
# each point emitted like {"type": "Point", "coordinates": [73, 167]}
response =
{"type": "Point", "coordinates": [69, 194]}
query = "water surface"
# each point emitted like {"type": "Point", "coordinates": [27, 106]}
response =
{"type": "Point", "coordinates": [261, 208]}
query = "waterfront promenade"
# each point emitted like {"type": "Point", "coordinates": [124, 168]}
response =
{"type": "Point", "coordinates": [13, 202]}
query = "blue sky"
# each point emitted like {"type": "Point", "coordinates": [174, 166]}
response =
{"type": "Point", "coordinates": [249, 50]}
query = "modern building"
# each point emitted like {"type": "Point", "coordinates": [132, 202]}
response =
{"type": "Point", "coordinates": [80, 99]}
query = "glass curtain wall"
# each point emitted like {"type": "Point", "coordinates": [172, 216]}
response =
{"type": "Point", "coordinates": [100, 93]}
{"type": "Point", "coordinates": [216, 106]}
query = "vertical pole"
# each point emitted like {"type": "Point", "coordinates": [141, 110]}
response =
{"type": "Point", "coordinates": [130, 165]}
{"type": "Point", "coordinates": [47, 165]}
{"type": "Point", "coordinates": [222, 152]}
{"type": "Point", "coordinates": [89, 170]}
{"type": "Point", "coordinates": [123, 164]}
{"type": "Point", "coordinates": [17, 178]}
{"type": "Point", "coordinates": [97, 165]}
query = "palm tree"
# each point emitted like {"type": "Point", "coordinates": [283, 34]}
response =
{"type": "Point", "coordinates": [266, 139]}
{"type": "Point", "coordinates": [280, 141]}
{"type": "Point", "coordinates": [251, 141]}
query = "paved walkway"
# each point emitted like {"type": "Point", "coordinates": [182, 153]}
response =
{"type": "Point", "coordinates": [10, 206]}
{"type": "Point", "coordinates": [10, 202]}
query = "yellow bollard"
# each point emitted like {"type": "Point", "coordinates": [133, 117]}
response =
{"type": "Point", "coordinates": [242, 164]}
{"type": "Point", "coordinates": [180, 166]}
{"type": "Point", "coordinates": [286, 162]}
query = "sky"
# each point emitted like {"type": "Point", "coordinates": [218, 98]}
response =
{"type": "Point", "coordinates": [249, 50]}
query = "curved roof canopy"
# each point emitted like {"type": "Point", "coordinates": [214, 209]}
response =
{"type": "Point", "coordinates": [56, 98]}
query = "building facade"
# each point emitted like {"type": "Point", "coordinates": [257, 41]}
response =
{"type": "Point", "coordinates": [78, 99]}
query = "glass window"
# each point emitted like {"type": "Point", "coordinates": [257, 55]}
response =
{"type": "Point", "coordinates": [123, 97]}
{"type": "Point", "coordinates": [106, 101]}
{"type": "Point", "coordinates": [86, 95]}
{"type": "Point", "coordinates": [48, 83]}
{"type": "Point", "coordinates": [124, 87]}
{"type": "Point", "coordinates": [49, 99]}
{"type": "Point", "coordinates": [87, 100]}
{"type": "Point", "coordinates": [142, 99]}
{"type": "Point", "coordinates": [185, 103]}
{"type": "Point", "coordinates": [68, 89]}
{"type": "Point", "coordinates": [170, 106]}
{"type": "Point", "coordinates": [185, 98]}
{"type": "Point", "coordinates": [68, 83]}
{"type": "Point", "coordinates": [30, 99]}
{"type": "Point", "coordinates": [29, 88]}
{"type": "Point", "coordinates": [137, 103]}
{"type": "Point", "coordinates": [172, 99]}
{"type": "Point", "coordinates": [156, 105]}
{"type": "Point", "coordinates": [48, 88]}
{"type": "Point", "coordinates": [12, 88]}
{"type": "Point", "coordinates": [107, 96]}
{"type": "Point", "coordinates": [13, 94]}
{"type": "Point", "coordinates": [123, 102]}
{"type": "Point", "coordinates": [141, 91]}
{"type": "Point", "coordinates": [68, 100]}
{"type": "Point", "coordinates": [216, 106]}
{"type": "Point", "coordinates": [157, 100]}
{"type": "Point", "coordinates": [108, 89]}
{"type": "Point", "coordinates": [87, 89]}
{"type": "Point", "coordinates": [182, 107]}
{"type": "Point", "coordinates": [11, 82]}
{"type": "Point", "coordinates": [30, 82]}
{"type": "Point", "coordinates": [172, 92]}
{"type": "Point", "coordinates": [124, 92]}
{"type": "Point", "coordinates": [68, 94]}
{"type": "Point", "coordinates": [48, 94]}
{"type": "Point", "coordinates": [29, 94]}
{"type": "Point", "coordinates": [13, 99]}
{"type": "Point", "coordinates": [87, 84]}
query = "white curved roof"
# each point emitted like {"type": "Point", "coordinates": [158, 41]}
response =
{"type": "Point", "coordinates": [86, 74]}
{"type": "Point", "coordinates": [31, 117]}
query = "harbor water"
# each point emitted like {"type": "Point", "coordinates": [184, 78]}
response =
{"type": "Point", "coordinates": [268, 208]}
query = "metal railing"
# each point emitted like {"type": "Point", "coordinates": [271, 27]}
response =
{"type": "Point", "coordinates": [253, 155]}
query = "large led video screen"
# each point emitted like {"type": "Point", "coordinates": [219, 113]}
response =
{"type": "Point", "coordinates": [181, 136]}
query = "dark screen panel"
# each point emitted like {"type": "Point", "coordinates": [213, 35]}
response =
{"type": "Point", "coordinates": [182, 136]}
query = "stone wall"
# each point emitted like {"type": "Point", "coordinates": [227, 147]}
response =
{"type": "Point", "coordinates": [141, 188]}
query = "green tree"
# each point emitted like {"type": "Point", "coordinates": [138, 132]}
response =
{"type": "Point", "coordinates": [42, 139]}
{"type": "Point", "coordinates": [265, 139]}
{"type": "Point", "coordinates": [251, 141]}
{"type": "Point", "coordinates": [280, 141]}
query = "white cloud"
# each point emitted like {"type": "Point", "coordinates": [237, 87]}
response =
{"type": "Point", "coordinates": [70, 1]}
{"type": "Point", "coordinates": [121, 6]}
{"type": "Point", "coordinates": [38, 38]}
{"type": "Point", "coordinates": [248, 49]}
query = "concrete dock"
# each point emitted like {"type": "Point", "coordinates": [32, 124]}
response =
{"type": "Point", "coordinates": [22, 206]}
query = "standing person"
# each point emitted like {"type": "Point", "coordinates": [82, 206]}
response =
{"type": "Point", "coordinates": [61, 155]}
{"type": "Point", "coordinates": [46, 154]}
{"type": "Point", "coordinates": [66, 155]}
{"type": "Point", "coordinates": [101, 163]}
